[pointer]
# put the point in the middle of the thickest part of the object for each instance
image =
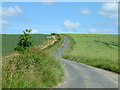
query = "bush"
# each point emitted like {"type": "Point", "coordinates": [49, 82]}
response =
{"type": "Point", "coordinates": [53, 33]}
{"type": "Point", "coordinates": [24, 41]}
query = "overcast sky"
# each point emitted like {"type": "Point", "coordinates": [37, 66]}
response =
{"type": "Point", "coordinates": [59, 17]}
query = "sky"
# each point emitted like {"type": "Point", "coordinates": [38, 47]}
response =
{"type": "Point", "coordinates": [59, 17]}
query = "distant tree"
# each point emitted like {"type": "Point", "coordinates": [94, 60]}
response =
{"type": "Point", "coordinates": [53, 33]}
{"type": "Point", "coordinates": [58, 35]}
{"type": "Point", "coordinates": [24, 41]}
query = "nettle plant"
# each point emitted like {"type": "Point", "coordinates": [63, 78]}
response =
{"type": "Point", "coordinates": [24, 41]}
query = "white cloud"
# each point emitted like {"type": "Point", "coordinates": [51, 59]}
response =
{"type": "Point", "coordinates": [3, 24]}
{"type": "Point", "coordinates": [48, 2]}
{"type": "Point", "coordinates": [69, 25]}
{"type": "Point", "coordinates": [10, 11]}
{"type": "Point", "coordinates": [84, 10]}
{"type": "Point", "coordinates": [34, 31]}
{"type": "Point", "coordinates": [109, 10]}
{"type": "Point", "coordinates": [95, 31]}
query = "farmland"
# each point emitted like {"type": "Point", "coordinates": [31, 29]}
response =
{"type": "Point", "coordinates": [35, 68]}
{"type": "Point", "coordinates": [9, 42]}
{"type": "Point", "coordinates": [96, 50]}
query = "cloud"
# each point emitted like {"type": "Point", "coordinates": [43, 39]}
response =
{"type": "Point", "coordinates": [3, 24]}
{"type": "Point", "coordinates": [109, 10]}
{"type": "Point", "coordinates": [69, 25]}
{"type": "Point", "coordinates": [35, 31]}
{"type": "Point", "coordinates": [84, 10]}
{"type": "Point", "coordinates": [10, 11]}
{"type": "Point", "coordinates": [48, 2]}
{"type": "Point", "coordinates": [96, 31]}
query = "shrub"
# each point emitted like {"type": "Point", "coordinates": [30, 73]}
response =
{"type": "Point", "coordinates": [24, 41]}
{"type": "Point", "coordinates": [53, 33]}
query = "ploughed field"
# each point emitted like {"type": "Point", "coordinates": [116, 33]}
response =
{"type": "Point", "coordinates": [96, 50]}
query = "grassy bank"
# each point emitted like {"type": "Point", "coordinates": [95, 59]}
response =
{"type": "Point", "coordinates": [96, 50]}
{"type": "Point", "coordinates": [34, 69]}
{"type": "Point", "coordinates": [58, 44]}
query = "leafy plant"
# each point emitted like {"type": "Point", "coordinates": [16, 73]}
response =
{"type": "Point", "coordinates": [24, 41]}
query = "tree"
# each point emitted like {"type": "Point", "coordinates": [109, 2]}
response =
{"type": "Point", "coordinates": [24, 41]}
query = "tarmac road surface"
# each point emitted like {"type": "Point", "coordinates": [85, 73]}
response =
{"type": "Point", "coordinates": [78, 75]}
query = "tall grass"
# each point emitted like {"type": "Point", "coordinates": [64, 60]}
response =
{"type": "Point", "coordinates": [33, 69]}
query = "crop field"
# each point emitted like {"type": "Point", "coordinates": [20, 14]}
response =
{"type": "Point", "coordinates": [97, 50]}
{"type": "Point", "coordinates": [9, 42]}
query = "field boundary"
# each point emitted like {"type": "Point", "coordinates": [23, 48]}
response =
{"type": "Point", "coordinates": [41, 48]}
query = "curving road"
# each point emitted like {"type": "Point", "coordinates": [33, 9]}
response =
{"type": "Point", "coordinates": [78, 75]}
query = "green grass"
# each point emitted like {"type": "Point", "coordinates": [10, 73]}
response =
{"type": "Point", "coordinates": [58, 44]}
{"type": "Point", "coordinates": [96, 50]}
{"type": "Point", "coordinates": [34, 69]}
{"type": "Point", "coordinates": [9, 42]}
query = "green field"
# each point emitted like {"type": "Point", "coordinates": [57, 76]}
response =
{"type": "Point", "coordinates": [97, 50]}
{"type": "Point", "coordinates": [9, 42]}
{"type": "Point", "coordinates": [35, 68]}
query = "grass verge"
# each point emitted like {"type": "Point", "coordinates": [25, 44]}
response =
{"type": "Point", "coordinates": [34, 69]}
{"type": "Point", "coordinates": [58, 44]}
{"type": "Point", "coordinates": [85, 49]}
